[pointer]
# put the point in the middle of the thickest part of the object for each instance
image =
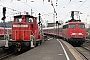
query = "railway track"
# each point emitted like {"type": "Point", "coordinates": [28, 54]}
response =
{"type": "Point", "coordinates": [10, 54]}
{"type": "Point", "coordinates": [84, 49]}
{"type": "Point", "coordinates": [7, 55]}
{"type": "Point", "coordinates": [83, 52]}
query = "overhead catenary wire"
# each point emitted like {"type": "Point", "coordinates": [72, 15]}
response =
{"type": "Point", "coordinates": [81, 5]}
{"type": "Point", "coordinates": [65, 16]}
{"type": "Point", "coordinates": [11, 8]}
{"type": "Point", "coordinates": [29, 6]}
{"type": "Point", "coordinates": [85, 7]}
{"type": "Point", "coordinates": [18, 10]}
{"type": "Point", "coordinates": [22, 2]}
{"type": "Point", "coordinates": [66, 7]}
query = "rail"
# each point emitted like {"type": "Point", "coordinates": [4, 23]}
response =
{"type": "Point", "coordinates": [84, 52]}
{"type": "Point", "coordinates": [84, 49]}
{"type": "Point", "coordinates": [4, 55]}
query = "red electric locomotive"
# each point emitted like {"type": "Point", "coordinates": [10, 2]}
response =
{"type": "Point", "coordinates": [73, 31]}
{"type": "Point", "coordinates": [25, 33]}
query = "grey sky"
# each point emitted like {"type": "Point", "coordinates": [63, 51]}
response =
{"type": "Point", "coordinates": [64, 7]}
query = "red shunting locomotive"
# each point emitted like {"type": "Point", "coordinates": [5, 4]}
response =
{"type": "Point", "coordinates": [25, 33]}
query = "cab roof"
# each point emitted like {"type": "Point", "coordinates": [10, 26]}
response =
{"type": "Point", "coordinates": [18, 16]}
{"type": "Point", "coordinates": [75, 22]}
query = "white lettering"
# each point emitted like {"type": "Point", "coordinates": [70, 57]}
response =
{"type": "Point", "coordinates": [20, 25]}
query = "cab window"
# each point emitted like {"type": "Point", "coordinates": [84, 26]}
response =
{"type": "Point", "coordinates": [29, 19]}
{"type": "Point", "coordinates": [18, 19]}
{"type": "Point", "coordinates": [80, 25]}
{"type": "Point", "coordinates": [72, 26]}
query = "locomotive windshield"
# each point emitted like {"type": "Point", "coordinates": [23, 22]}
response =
{"type": "Point", "coordinates": [72, 26]}
{"type": "Point", "coordinates": [18, 19]}
{"type": "Point", "coordinates": [30, 20]}
{"type": "Point", "coordinates": [80, 25]}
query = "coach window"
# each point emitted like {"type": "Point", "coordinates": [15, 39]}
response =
{"type": "Point", "coordinates": [17, 19]}
{"type": "Point", "coordinates": [4, 31]}
{"type": "Point", "coordinates": [72, 26]}
{"type": "Point", "coordinates": [80, 25]}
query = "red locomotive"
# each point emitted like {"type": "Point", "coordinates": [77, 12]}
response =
{"type": "Point", "coordinates": [25, 33]}
{"type": "Point", "coordinates": [73, 31]}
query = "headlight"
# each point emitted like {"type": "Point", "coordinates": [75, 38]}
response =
{"type": "Point", "coordinates": [73, 33]}
{"type": "Point", "coordinates": [80, 34]}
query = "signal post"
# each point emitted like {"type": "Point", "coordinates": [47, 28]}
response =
{"type": "Point", "coordinates": [3, 18]}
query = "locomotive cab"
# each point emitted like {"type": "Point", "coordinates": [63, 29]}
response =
{"type": "Point", "coordinates": [74, 32]}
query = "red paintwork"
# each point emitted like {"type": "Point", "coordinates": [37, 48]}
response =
{"type": "Point", "coordinates": [66, 33]}
{"type": "Point", "coordinates": [22, 30]}
{"type": "Point", "coordinates": [76, 30]}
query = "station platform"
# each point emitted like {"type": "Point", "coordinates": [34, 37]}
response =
{"type": "Point", "coordinates": [52, 49]}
